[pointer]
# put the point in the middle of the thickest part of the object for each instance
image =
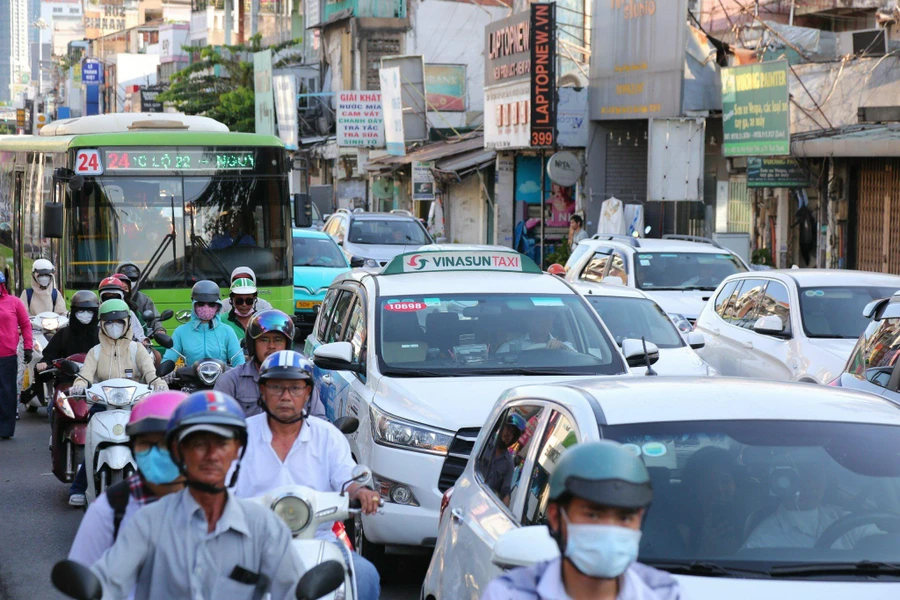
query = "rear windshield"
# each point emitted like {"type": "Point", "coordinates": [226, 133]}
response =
{"type": "Point", "coordinates": [836, 312]}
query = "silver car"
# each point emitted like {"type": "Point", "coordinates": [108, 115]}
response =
{"type": "Point", "coordinates": [371, 240]}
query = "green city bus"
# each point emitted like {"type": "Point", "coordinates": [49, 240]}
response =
{"type": "Point", "coordinates": [180, 196]}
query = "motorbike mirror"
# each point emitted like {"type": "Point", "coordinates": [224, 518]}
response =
{"type": "Point", "coordinates": [69, 368]}
{"type": "Point", "coordinates": [76, 581]}
{"type": "Point", "coordinates": [165, 367]}
{"type": "Point", "coordinates": [164, 340]}
{"type": "Point", "coordinates": [320, 580]}
{"type": "Point", "coordinates": [166, 315]}
{"type": "Point", "coordinates": [361, 474]}
{"type": "Point", "coordinates": [347, 425]}
{"type": "Point", "coordinates": [147, 314]}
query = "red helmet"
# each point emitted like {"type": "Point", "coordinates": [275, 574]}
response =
{"type": "Point", "coordinates": [113, 284]}
{"type": "Point", "coordinates": [557, 269]}
{"type": "Point", "coordinates": [123, 278]}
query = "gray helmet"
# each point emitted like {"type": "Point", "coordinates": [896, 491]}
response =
{"type": "Point", "coordinates": [603, 472]}
{"type": "Point", "coordinates": [206, 291]}
{"type": "Point", "coordinates": [129, 270]}
{"type": "Point", "coordinates": [85, 299]}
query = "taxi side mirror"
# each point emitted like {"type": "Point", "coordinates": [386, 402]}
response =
{"type": "Point", "coordinates": [336, 356]}
{"type": "Point", "coordinates": [524, 547]}
{"type": "Point", "coordinates": [635, 355]}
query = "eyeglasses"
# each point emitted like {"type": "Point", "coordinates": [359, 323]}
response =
{"type": "Point", "coordinates": [293, 390]}
{"type": "Point", "coordinates": [206, 303]}
{"type": "Point", "coordinates": [238, 301]}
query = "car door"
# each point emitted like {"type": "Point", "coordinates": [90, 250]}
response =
{"type": "Point", "coordinates": [736, 340]}
{"type": "Point", "coordinates": [711, 322]}
{"type": "Point", "coordinates": [773, 356]}
{"type": "Point", "coordinates": [484, 507]}
{"type": "Point", "coordinates": [595, 269]}
{"type": "Point", "coordinates": [329, 328]}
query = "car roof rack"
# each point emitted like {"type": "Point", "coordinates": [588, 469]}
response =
{"type": "Point", "coordinates": [343, 210]}
{"type": "Point", "coordinates": [692, 238]}
{"type": "Point", "coordinates": [400, 211]}
{"type": "Point", "coordinates": [628, 239]}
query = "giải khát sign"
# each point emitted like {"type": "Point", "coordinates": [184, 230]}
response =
{"type": "Point", "coordinates": [755, 110]}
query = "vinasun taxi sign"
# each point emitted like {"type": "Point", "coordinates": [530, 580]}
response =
{"type": "Point", "coordinates": [430, 262]}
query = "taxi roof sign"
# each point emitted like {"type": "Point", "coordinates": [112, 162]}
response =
{"type": "Point", "coordinates": [427, 261]}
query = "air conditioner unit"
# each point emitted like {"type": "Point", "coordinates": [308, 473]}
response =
{"type": "Point", "coordinates": [863, 42]}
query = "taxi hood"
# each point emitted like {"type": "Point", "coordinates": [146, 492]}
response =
{"type": "Point", "coordinates": [451, 403]}
{"type": "Point", "coordinates": [316, 278]}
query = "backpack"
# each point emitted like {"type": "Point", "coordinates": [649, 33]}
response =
{"type": "Point", "coordinates": [117, 495]}
{"type": "Point", "coordinates": [29, 293]}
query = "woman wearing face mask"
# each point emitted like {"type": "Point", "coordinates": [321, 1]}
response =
{"type": "Point", "coordinates": [599, 493]}
{"type": "Point", "coordinates": [43, 296]}
{"type": "Point", "coordinates": [80, 335]}
{"type": "Point", "coordinates": [243, 306]}
{"type": "Point", "coordinates": [114, 288]}
{"type": "Point", "coordinates": [157, 476]}
{"type": "Point", "coordinates": [205, 336]}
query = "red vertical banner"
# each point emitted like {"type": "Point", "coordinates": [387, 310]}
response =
{"type": "Point", "coordinates": [543, 75]}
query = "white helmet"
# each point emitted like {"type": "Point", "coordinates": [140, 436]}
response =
{"type": "Point", "coordinates": [243, 272]}
{"type": "Point", "coordinates": [43, 266]}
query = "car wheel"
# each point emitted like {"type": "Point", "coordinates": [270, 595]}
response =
{"type": "Point", "coordinates": [374, 553]}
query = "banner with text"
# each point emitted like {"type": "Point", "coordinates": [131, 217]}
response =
{"type": "Point", "coordinates": [286, 109]}
{"type": "Point", "coordinates": [392, 107]}
{"type": "Point", "coordinates": [543, 75]}
{"type": "Point", "coordinates": [264, 101]}
{"type": "Point", "coordinates": [775, 173]}
{"type": "Point", "coordinates": [423, 180]}
{"type": "Point", "coordinates": [755, 110]}
{"type": "Point", "coordinates": [359, 119]}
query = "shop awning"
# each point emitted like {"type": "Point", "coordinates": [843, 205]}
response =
{"type": "Point", "coordinates": [872, 141]}
{"type": "Point", "coordinates": [439, 152]}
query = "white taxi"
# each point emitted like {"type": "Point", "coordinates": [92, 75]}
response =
{"type": "Point", "coordinates": [760, 489]}
{"type": "Point", "coordinates": [420, 352]}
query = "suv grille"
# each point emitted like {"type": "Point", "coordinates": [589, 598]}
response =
{"type": "Point", "coordinates": [455, 463]}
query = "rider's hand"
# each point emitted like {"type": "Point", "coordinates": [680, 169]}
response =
{"type": "Point", "coordinates": [76, 390]}
{"type": "Point", "coordinates": [369, 500]}
{"type": "Point", "coordinates": [28, 354]}
{"type": "Point", "coordinates": [41, 366]}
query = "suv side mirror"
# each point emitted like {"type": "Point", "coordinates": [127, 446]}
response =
{"type": "Point", "coordinates": [696, 340]}
{"type": "Point", "coordinates": [336, 356]}
{"type": "Point", "coordinates": [53, 220]}
{"type": "Point", "coordinates": [302, 211]}
{"type": "Point", "coordinates": [769, 325]}
{"type": "Point", "coordinates": [634, 352]}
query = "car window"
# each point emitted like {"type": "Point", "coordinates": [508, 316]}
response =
{"type": "Point", "coordinates": [335, 328]}
{"type": "Point", "coordinates": [596, 267]}
{"type": "Point", "coordinates": [683, 270]}
{"type": "Point", "coordinates": [618, 267]}
{"type": "Point", "coordinates": [636, 318]}
{"type": "Point", "coordinates": [580, 250]}
{"type": "Point", "coordinates": [318, 252]}
{"type": "Point", "coordinates": [499, 464]}
{"type": "Point", "coordinates": [742, 310]}
{"type": "Point", "coordinates": [390, 232]}
{"type": "Point", "coordinates": [559, 435]}
{"type": "Point", "coordinates": [332, 226]}
{"type": "Point", "coordinates": [356, 331]}
{"type": "Point", "coordinates": [724, 296]}
{"type": "Point", "coordinates": [836, 311]}
{"type": "Point", "coordinates": [776, 302]}
{"type": "Point", "coordinates": [876, 353]}
{"type": "Point", "coordinates": [325, 312]}
{"type": "Point", "coordinates": [340, 229]}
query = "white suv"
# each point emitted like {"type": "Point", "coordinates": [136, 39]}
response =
{"type": "Point", "coordinates": [678, 271]}
{"type": "Point", "coordinates": [790, 325]}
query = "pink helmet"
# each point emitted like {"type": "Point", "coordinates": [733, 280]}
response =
{"type": "Point", "coordinates": [151, 415]}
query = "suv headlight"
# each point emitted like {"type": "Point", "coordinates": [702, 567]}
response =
{"type": "Point", "coordinates": [681, 322]}
{"type": "Point", "coordinates": [389, 430]}
{"type": "Point", "coordinates": [119, 396]}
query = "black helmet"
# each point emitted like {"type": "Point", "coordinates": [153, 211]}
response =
{"type": "Point", "coordinates": [206, 291]}
{"type": "Point", "coordinates": [271, 320]}
{"type": "Point", "coordinates": [129, 270]}
{"type": "Point", "coordinates": [85, 299]}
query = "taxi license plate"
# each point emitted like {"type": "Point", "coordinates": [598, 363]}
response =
{"type": "Point", "coordinates": [300, 304]}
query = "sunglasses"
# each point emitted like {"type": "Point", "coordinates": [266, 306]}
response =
{"type": "Point", "coordinates": [243, 301]}
{"type": "Point", "coordinates": [206, 303]}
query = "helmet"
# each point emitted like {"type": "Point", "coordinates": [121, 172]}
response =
{"type": "Point", "coordinates": [517, 421]}
{"type": "Point", "coordinates": [43, 266]}
{"type": "Point", "coordinates": [129, 270]}
{"type": "Point", "coordinates": [271, 320]}
{"type": "Point", "coordinates": [152, 413]}
{"type": "Point", "coordinates": [604, 472]}
{"type": "Point", "coordinates": [286, 364]}
{"type": "Point", "coordinates": [124, 279]}
{"type": "Point", "coordinates": [85, 299]}
{"type": "Point", "coordinates": [557, 269]}
{"type": "Point", "coordinates": [244, 272]}
{"type": "Point", "coordinates": [114, 310]}
{"type": "Point", "coordinates": [113, 284]}
{"type": "Point", "coordinates": [207, 411]}
{"type": "Point", "coordinates": [243, 286]}
{"type": "Point", "coordinates": [206, 291]}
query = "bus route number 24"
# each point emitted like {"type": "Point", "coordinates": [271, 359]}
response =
{"type": "Point", "coordinates": [87, 162]}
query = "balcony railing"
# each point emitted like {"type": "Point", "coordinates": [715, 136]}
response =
{"type": "Point", "coordinates": [390, 9]}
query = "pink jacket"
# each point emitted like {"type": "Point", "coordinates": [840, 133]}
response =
{"type": "Point", "coordinates": [14, 323]}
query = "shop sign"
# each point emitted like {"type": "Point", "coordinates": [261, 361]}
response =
{"type": "Point", "coordinates": [149, 103]}
{"type": "Point", "coordinates": [775, 173]}
{"type": "Point", "coordinates": [755, 110]}
{"type": "Point", "coordinates": [423, 180]}
{"type": "Point", "coordinates": [543, 76]}
{"type": "Point", "coordinates": [506, 116]}
{"type": "Point", "coordinates": [359, 119]}
{"type": "Point", "coordinates": [564, 168]}
{"type": "Point", "coordinates": [508, 50]}
{"type": "Point", "coordinates": [91, 72]}
{"type": "Point", "coordinates": [445, 87]}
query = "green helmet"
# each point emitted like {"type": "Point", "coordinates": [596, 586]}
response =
{"type": "Point", "coordinates": [603, 472]}
{"type": "Point", "coordinates": [114, 310]}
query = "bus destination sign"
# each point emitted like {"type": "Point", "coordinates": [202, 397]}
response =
{"type": "Point", "coordinates": [117, 160]}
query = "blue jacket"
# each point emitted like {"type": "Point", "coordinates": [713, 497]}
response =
{"type": "Point", "coordinates": [196, 340]}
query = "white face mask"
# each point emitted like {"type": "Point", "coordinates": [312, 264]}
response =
{"type": "Point", "coordinates": [84, 316]}
{"type": "Point", "coordinates": [44, 280]}
{"type": "Point", "coordinates": [115, 330]}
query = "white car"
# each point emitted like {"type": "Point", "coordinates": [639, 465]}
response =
{"type": "Point", "coordinates": [789, 325]}
{"type": "Point", "coordinates": [678, 271]}
{"type": "Point", "coordinates": [730, 461]}
{"type": "Point", "coordinates": [419, 353]}
{"type": "Point", "coordinates": [629, 313]}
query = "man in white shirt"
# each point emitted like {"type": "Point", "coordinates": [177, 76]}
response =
{"type": "Point", "coordinates": [538, 337]}
{"type": "Point", "coordinates": [285, 447]}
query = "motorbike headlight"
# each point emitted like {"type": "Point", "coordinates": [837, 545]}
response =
{"type": "Point", "coordinates": [683, 325]}
{"type": "Point", "coordinates": [294, 511]}
{"type": "Point", "coordinates": [389, 430]}
{"type": "Point", "coordinates": [119, 396]}
{"type": "Point", "coordinates": [63, 402]}
{"type": "Point", "coordinates": [50, 324]}
{"type": "Point", "coordinates": [209, 371]}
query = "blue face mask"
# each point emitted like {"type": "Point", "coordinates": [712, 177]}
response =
{"type": "Point", "coordinates": [156, 466]}
{"type": "Point", "coordinates": [601, 551]}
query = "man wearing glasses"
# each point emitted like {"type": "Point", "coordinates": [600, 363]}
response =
{"type": "Point", "coordinates": [285, 447]}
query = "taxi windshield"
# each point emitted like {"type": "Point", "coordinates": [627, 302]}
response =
{"type": "Point", "coordinates": [785, 498]}
{"type": "Point", "coordinates": [318, 252]}
{"type": "Point", "coordinates": [487, 334]}
{"type": "Point", "coordinates": [658, 271]}
{"type": "Point", "coordinates": [636, 318]}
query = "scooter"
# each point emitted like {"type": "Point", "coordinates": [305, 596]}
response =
{"type": "Point", "coordinates": [68, 422]}
{"type": "Point", "coordinates": [202, 375]}
{"type": "Point", "coordinates": [43, 327]}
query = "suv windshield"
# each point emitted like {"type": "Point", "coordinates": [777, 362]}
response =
{"type": "Point", "coordinates": [634, 318]}
{"type": "Point", "coordinates": [778, 497]}
{"type": "Point", "coordinates": [388, 232]}
{"type": "Point", "coordinates": [318, 252]}
{"type": "Point", "coordinates": [484, 334]}
{"type": "Point", "coordinates": [836, 312]}
{"type": "Point", "coordinates": [683, 270]}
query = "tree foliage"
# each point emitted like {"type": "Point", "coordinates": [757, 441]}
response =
{"type": "Point", "coordinates": [219, 84]}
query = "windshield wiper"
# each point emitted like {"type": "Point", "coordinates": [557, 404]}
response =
{"type": "Point", "coordinates": [702, 568]}
{"type": "Point", "coordinates": [863, 567]}
{"type": "Point", "coordinates": [198, 241]}
{"type": "Point", "coordinates": [698, 288]}
{"type": "Point", "coordinates": [155, 258]}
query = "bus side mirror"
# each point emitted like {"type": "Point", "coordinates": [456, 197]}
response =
{"type": "Point", "coordinates": [53, 220]}
{"type": "Point", "coordinates": [302, 211]}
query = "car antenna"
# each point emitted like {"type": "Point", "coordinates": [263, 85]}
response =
{"type": "Point", "coordinates": [650, 371]}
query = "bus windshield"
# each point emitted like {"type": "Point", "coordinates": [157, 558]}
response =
{"type": "Point", "coordinates": [203, 226]}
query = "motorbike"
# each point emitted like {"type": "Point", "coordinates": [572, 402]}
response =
{"type": "Point", "coordinates": [68, 421]}
{"type": "Point", "coordinates": [43, 327]}
{"type": "Point", "coordinates": [202, 375]}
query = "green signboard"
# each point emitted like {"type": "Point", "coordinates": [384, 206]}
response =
{"type": "Point", "coordinates": [775, 173]}
{"type": "Point", "coordinates": [755, 115]}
